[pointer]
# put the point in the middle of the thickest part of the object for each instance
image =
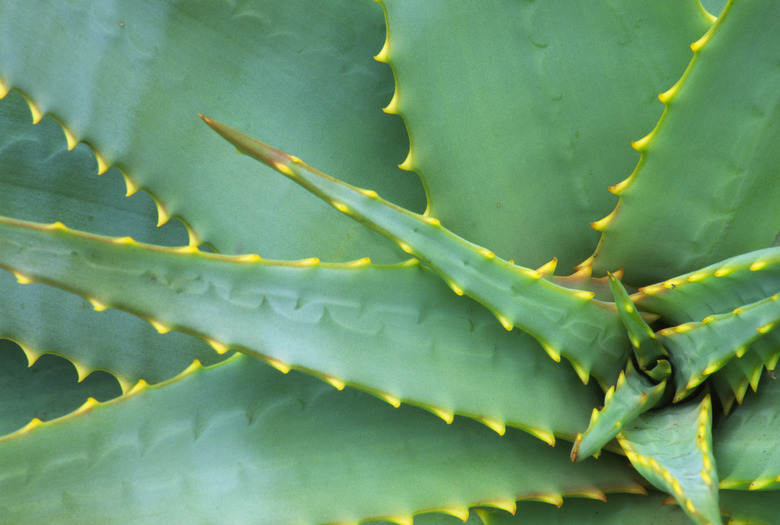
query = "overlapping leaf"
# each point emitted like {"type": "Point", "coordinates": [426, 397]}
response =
{"type": "Point", "coordinates": [131, 79]}
{"type": "Point", "coordinates": [520, 114]}
{"type": "Point", "coordinates": [716, 144]}
{"type": "Point", "coordinates": [47, 390]}
{"type": "Point", "coordinates": [41, 181]}
{"type": "Point", "coordinates": [672, 448]}
{"type": "Point", "coordinates": [565, 322]}
{"type": "Point", "coordinates": [746, 442]}
{"type": "Point", "coordinates": [396, 331]}
{"type": "Point", "coordinates": [238, 441]}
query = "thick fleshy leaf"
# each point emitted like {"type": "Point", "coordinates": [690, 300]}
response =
{"type": "Point", "coordinates": [40, 180]}
{"type": "Point", "coordinates": [716, 144]}
{"type": "Point", "coordinates": [756, 508]}
{"type": "Point", "coordinates": [520, 113]}
{"type": "Point", "coordinates": [631, 396]}
{"type": "Point", "coordinates": [619, 509]}
{"type": "Point", "coordinates": [716, 289]}
{"type": "Point", "coordinates": [396, 331]}
{"type": "Point", "coordinates": [746, 441]}
{"type": "Point", "coordinates": [747, 370]}
{"type": "Point", "coordinates": [566, 322]}
{"type": "Point", "coordinates": [699, 349]}
{"type": "Point", "coordinates": [732, 381]}
{"type": "Point", "coordinates": [672, 448]}
{"type": "Point", "coordinates": [647, 349]}
{"type": "Point", "coordinates": [240, 440]}
{"type": "Point", "coordinates": [46, 390]}
{"type": "Point", "coordinates": [436, 518]}
{"type": "Point", "coordinates": [130, 78]}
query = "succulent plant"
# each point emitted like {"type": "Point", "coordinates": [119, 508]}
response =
{"type": "Point", "coordinates": [403, 351]}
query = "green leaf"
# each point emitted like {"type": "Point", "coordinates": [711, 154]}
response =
{"type": "Point", "coordinates": [717, 144]}
{"type": "Point", "coordinates": [619, 509]}
{"type": "Point", "coordinates": [48, 389]}
{"type": "Point", "coordinates": [396, 331]}
{"type": "Point", "coordinates": [239, 440]}
{"type": "Point", "coordinates": [565, 322]}
{"type": "Point", "coordinates": [756, 508]}
{"type": "Point", "coordinates": [130, 80]}
{"type": "Point", "coordinates": [699, 349]}
{"type": "Point", "coordinates": [672, 448]}
{"type": "Point", "coordinates": [631, 396]}
{"type": "Point", "coordinates": [745, 442]}
{"type": "Point", "coordinates": [731, 382]}
{"type": "Point", "coordinates": [759, 508]}
{"type": "Point", "coordinates": [716, 289]}
{"type": "Point", "coordinates": [520, 113]}
{"type": "Point", "coordinates": [42, 181]}
{"type": "Point", "coordinates": [647, 350]}
{"type": "Point", "coordinates": [747, 370]}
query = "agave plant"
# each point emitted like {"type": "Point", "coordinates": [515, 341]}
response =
{"type": "Point", "coordinates": [405, 350]}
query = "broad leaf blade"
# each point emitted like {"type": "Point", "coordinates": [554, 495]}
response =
{"type": "Point", "coordinates": [520, 114]}
{"type": "Point", "coordinates": [40, 180]}
{"type": "Point", "coordinates": [746, 441]}
{"type": "Point", "coordinates": [239, 441]}
{"type": "Point", "coordinates": [672, 448]}
{"type": "Point", "coordinates": [566, 322]}
{"type": "Point", "coordinates": [113, 73]}
{"type": "Point", "coordinates": [716, 145]}
{"type": "Point", "coordinates": [699, 349]}
{"type": "Point", "coordinates": [396, 331]}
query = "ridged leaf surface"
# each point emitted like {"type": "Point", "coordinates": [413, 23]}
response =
{"type": "Point", "coordinates": [716, 143]}
{"type": "Point", "coordinates": [477, 82]}
{"type": "Point", "coordinates": [41, 181]}
{"type": "Point", "coordinates": [746, 442]}
{"type": "Point", "coordinates": [672, 448]}
{"type": "Point", "coordinates": [236, 442]}
{"type": "Point", "coordinates": [131, 78]}
{"type": "Point", "coordinates": [393, 330]}
{"type": "Point", "coordinates": [565, 322]}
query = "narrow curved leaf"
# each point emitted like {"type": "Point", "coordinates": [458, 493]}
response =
{"type": "Point", "coordinates": [566, 322]}
{"type": "Point", "coordinates": [716, 289]}
{"type": "Point", "coordinates": [633, 395]}
{"type": "Point", "coordinates": [699, 349]}
{"type": "Point", "coordinates": [647, 349]}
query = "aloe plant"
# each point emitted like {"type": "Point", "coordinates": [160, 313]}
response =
{"type": "Point", "coordinates": [405, 350]}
